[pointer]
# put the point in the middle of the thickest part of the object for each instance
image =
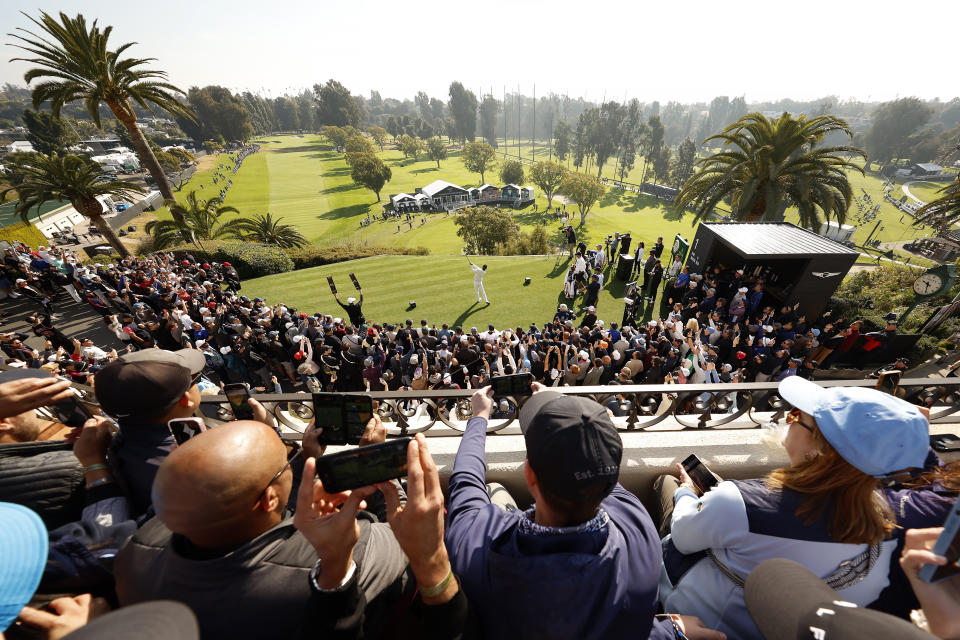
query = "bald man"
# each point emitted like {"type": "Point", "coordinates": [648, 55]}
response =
{"type": "Point", "coordinates": [221, 543]}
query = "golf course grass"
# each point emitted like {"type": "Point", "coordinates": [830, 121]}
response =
{"type": "Point", "coordinates": [442, 287]}
{"type": "Point", "coordinates": [302, 180]}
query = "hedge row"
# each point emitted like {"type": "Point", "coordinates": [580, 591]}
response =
{"type": "Point", "coordinates": [252, 260]}
{"type": "Point", "coordinates": [23, 232]}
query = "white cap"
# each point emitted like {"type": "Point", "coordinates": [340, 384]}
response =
{"type": "Point", "coordinates": [742, 289]}
{"type": "Point", "coordinates": [616, 355]}
{"type": "Point", "coordinates": [338, 321]}
{"type": "Point", "coordinates": [591, 308]}
{"type": "Point", "coordinates": [200, 343]}
{"type": "Point", "coordinates": [297, 338]}
{"type": "Point", "coordinates": [224, 350]}
{"type": "Point", "coordinates": [21, 280]}
{"type": "Point", "coordinates": [767, 328]}
{"type": "Point", "coordinates": [351, 300]}
{"type": "Point", "coordinates": [599, 323]}
{"type": "Point", "coordinates": [583, 355]}
{"type": "Point", "coordinates": [414, 359]}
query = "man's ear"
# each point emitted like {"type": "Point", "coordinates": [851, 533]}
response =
{"type": "Point", "coordinates": [186, 401]}
{"type": "Point", "coordinates": [5, 426]}
{"type": "Point", "coordinates": [269, 501]}
{"type": "Point", "coordinates": [531, 478]}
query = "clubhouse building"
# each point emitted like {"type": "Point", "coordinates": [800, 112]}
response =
{"type": "Point", "coordinates": [441, 194]}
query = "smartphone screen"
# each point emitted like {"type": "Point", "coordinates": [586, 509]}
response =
{"type": "Point", "coordinates": [185, 428]}
{"type": "Point", "coordinates": [364, 466]}
{"type": "Point", "coordinates": [70, 412]}
{"type": "Point", "coordinates": [517, 384]}
{"type": "Point", "coordinates": [357, 411]}
{"type": "Point", "coordinates": [948, 546]}
{"type": "Point", "coordinates": [698, 472]}
{"type": "Point", "coordinates": [238, 394]}
{"type": "Point", "coordinates": [889, 381]}
{"type": "Point", "coordinates": [945, 442]}
{"type": "Point", "coordinates": [328, 413]}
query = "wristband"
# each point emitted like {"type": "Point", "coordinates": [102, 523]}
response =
{"type": "Point", "coordinates": [434, 591]}
{"type": "Point", "coordinates": [96, 467]}
{"type": "Point", "coordinates": [99, 483]}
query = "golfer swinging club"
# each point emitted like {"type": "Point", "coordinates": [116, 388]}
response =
{"type": "Point", "coordinates": [478, 281]}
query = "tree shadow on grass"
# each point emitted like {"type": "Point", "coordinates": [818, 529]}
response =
{"type": "Point", "coordinates": [304, 149]}
{"type": "Point", "coordinates": [346, 212]}
{"type": "Point", "coordinates": [425, 170]}
{"type": "Point", "coordinates": [339, 172]}
{"type": "Point", "coordinates": [560, 267]}
{"type": "Point", "coordinates": [340, 188]}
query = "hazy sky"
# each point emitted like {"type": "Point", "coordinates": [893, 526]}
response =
{"type": "Point", "coordinates": [667, 50]}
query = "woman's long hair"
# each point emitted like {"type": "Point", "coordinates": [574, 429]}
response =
{"type": "Point", "coordinates": [856, 511]}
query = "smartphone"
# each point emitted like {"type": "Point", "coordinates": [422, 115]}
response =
{"type": "Point", "coordinates": [185, 428]}
{"type": "Point", "coordinates": [363, 466]}
{"type": "Point", "coordinates": [945, 442]}
{"type": "Point", "coordinates": [889, 381]}
{"type": "Point", "coordinates": [517, 384]}
{"type": "Point", "coordinates": [947, 545]}
{"type": "Point", "coordinates": [333, 287]}
{"type": "Point", "coordinates": [699, 473]}
{"type": "Point", "coordinates": [342, 418]}
{"type": "Point", "coordinates": [238, 394]}
{"type": "Point", "coordinates": [70, 412]}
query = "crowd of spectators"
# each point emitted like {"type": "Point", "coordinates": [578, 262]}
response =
{"type": "Point", "coordinates": [234, 523]}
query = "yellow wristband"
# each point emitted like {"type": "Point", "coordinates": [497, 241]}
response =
{"type": "Point", "coordinates": [432, 592]}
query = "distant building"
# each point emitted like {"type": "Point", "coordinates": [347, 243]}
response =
{"type": "Point", "coordinates": [443, 193]}
{"type": "Point", "coordinates": [926, 169]}
{"type": "Point", "coordinates": [20, 146]}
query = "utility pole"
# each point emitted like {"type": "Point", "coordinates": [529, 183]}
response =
{"type": "Point", "coordinates": [866, 243]}
{"type": "Point", "coordinates": [518, 120]}
{"type": "Point", "coordinates": [504, 121]}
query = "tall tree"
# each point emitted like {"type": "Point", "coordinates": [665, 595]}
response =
{"type": "Point", "coordinates": [478, 157]}
{"type": "Point", "coordinates": [653, 144]}
{"type": "Point", "coordinates": [285, 110]}
{"type": "Point", "coordinates": [561, 140]}
{"type": "Point", "coordinates": [336, 135]}
{"type": "Point", "coordinates": [436, 150]}
{"type": "Point", "coordinates": [607, 133]}
{"type": "Point", "coordinates": [584, 190]}
{"type": "Point", "coordinates": [393, 126]}
{"type": "Point", "coordinates": [411, 146]}
{"type": "Point", "coordinates": [47, 134]}
{"type": "Point", "coordinates": [219, 115]}
{"type": "Point", "coordinates": [370, 172]}
{"type": "Point", "coordinates": [767, 165]}
{"type": "Point", "coordinates": [76, 179]}
{"type": "Point", "coordinates": [306, 111]}
{"type": "Point", "coordinates": [893, 122]}
{"type": "Point", "coordinates": [76, 65]}
{"type": "Point", "coordinates": [511, 172]}
{"type": "Point", "coordinates": [548, 176]}
{"type": "Point", "coordinates": [423, 104]}
{"type": "Point", "coordinates": [379, 135]}
{"type": "Point", "coordinates": [485, 229]}
{"type": "Point", "coordinates": [661, 164]}
{"type": "Point", "coordinates": [683, 162]}
{"type": "Point", "coordinates": [463, 108]}
{"type": "Point", "coordinates": [489, 109]}
{"type": "Point", "coordinates": [336, 106]}
{"type": "Point", "coordinates": [436, 109]}
{"type": "Point", "coordinates": [631, 130]}
{"type": "Point", "coordinates": [356, 146]}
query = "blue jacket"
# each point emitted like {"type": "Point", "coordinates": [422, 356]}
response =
{"type": "Point", "coordinates": [580, 585]}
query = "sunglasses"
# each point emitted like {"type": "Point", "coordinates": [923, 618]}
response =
{"type": "Point", "coordinates": [293, 451]}
{"type": "Point", "coordinates": [794, 416]}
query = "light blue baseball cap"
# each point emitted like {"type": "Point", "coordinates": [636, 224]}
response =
{"type": "Point", "coordinates": [874, 431]}
{"type": "Point", "coordinates": [23, 555]}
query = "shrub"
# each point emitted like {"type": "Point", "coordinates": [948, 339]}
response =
{"type": "Point", "coordinates": [250, 259]}
{"type": "Point", "coordinates": [23, 232]}
{"type": "Point", "coordinates": [313, 256]}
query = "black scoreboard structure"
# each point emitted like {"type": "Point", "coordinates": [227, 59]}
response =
{"type": "Point", "coordinates": [797, 265]}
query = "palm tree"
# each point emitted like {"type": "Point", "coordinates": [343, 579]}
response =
{"type": "Point", "coordinates": [75, 64]}
{"type": "Point", "coordinates": [73, 178]}
{"type": "Point", "coordinates": [266, 229]}
{"type": "Point", "coordinates": [772, 164]}
{"type": "Point", "coordinates": [943, 211]}
{"type": "Point", "coordinates": [193, 221]}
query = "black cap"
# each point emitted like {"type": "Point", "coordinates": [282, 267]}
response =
{"type": "Point", "coordinates": [810, 609]}
{"type": "Point", "coordinates": [155, 620]}
{"type": "Point", "coordinates": [140, 390]}
{"type": "Point", "coordinates": [572, 445]}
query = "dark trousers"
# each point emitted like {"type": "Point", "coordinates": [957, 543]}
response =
{"type": "Point", "coordinates": [662, 505]}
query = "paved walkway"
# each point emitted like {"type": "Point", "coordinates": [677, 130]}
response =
{"type": "Point", "coordinates": [906, 190]}
{"type": "Point", "coordinates": [78, 320]}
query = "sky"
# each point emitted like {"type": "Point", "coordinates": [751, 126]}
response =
{"type": "Point", "coordinates": [870, 50]}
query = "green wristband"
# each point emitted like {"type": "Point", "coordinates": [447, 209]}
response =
{"type": "Point", "coordinates": [432, 592]}
{"type": "Point", "coordinates": [96, 467]}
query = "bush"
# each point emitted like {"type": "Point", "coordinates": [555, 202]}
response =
{"type": "Point", "coordinates": [313, 256]}
{"type": "Point", "coordinates": [250, 259]}
{"type": "Point", "coordinates": [535, 242]}
{"type": "Point", "coordinates": [23, 232]}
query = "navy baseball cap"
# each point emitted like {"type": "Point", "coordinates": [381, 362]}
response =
{"type": "Point", "coordinates": [874, 431]}
{"type": "Point", "coordinates": [572, 445]}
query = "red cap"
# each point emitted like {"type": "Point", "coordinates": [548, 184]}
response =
{"type": "Point", "coordinates": [206, 265]}
{"type": "Point", "coordinates": [741, 355]}
{"type": "Point", "coordinates": [303, 315]}
{"type": "Point", "coordinates": [298, 356]}
{"type": "Point", "coordinates": [185, 262]}
{"type": "Point", "coordinates": [371, 331]}
{"type": "Point", "coordinates": [226, 264]}
{"type": "Point", "coordinates": [212, 305]}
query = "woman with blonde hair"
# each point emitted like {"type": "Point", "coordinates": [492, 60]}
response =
{"type": "Point", "coordinates": [825, 510]}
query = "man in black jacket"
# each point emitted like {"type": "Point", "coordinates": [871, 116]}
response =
{"type": "Point", "coordinates": [222, 545]}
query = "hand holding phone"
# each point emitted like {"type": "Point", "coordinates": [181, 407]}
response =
{"type": "Point", "coordinates": [341, 418]}
{"type": "Point", "coordinates": [363, 466]}
{"type": "Point", "coordinates": [947, 546]}
{"type": "Point", "coordinates": [517, 384]}
{"type": "Point", "coordinates": [702, 478]}
{"type": "Point", "coordinates": [238, 394]}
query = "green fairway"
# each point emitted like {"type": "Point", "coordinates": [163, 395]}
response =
{"type": "Point", "coordinates": [927, 191]}
{"type": "Point", "coordinates": [442, 287]}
